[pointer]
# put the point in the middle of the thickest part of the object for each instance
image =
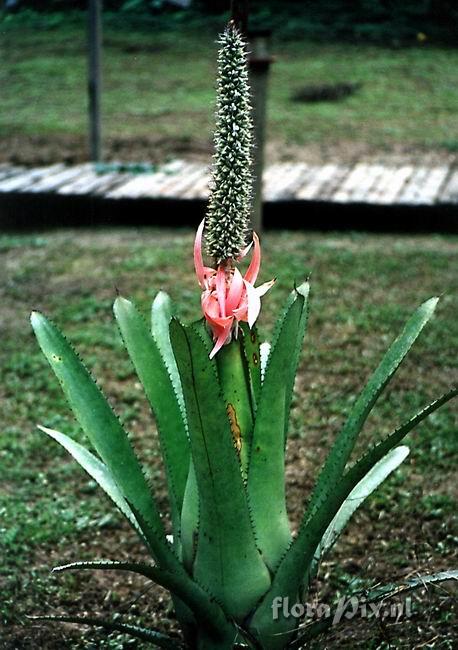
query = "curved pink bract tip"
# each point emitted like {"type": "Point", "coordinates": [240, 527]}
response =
{"type": "Point", "coordinates": [198, 262]}
{"type": "Point", "coordinates": [227, 297]}
{"type": "Point", "coordinates": [253, 270]}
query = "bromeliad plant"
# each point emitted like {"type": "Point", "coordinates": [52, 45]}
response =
{"type": "Point", "coordinates": [221, 403]}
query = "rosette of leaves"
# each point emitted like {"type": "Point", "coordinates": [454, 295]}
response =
{"type": "Point", "coordinates": [222, 426]}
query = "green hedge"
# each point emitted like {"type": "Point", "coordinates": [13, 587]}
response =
{"type": "Point", "coordinates": [384, 21]}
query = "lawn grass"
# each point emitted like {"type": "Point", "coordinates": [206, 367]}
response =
{"type": "Point", "coordinates": [159, 84]}
{"type": "Point", "coordinates": [363, 289]}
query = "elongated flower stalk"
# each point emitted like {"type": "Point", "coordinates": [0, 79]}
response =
{"type": "Point", "coordinates": [227, 297]}
{"type": "Point", "coordinates": [231, 191]}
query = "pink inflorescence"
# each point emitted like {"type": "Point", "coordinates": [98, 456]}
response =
{"type": "Point", "coordinates": [228, 297]}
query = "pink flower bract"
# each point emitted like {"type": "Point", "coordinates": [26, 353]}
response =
{"type": "Point", "coordinates": [227, 297]}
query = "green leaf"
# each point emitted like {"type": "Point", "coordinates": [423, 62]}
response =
{"type": "Point", "coordinates": [189, 592]}
{"type": "Point", "coordinates": [298, 558]}
{"type": "Point", "coordinates": [252, 354]}
{"type": "Point", "coordinates": [264, 351]}
{"type": "Point", "coordinates": [332, 486]}
{"type": "Point", "coordinates": [343, 446]}
{"type": "Point", "coordinates": [105, 433]}
{"type": "Point", "coordinates": [295, 348]}
{"type": "Point", "coordinates": [156, 379]}
{"type": "Point", "coordinates": [312, 630]}
{"type": "Point", "coordinates": [112, 444]}
{"type": "Point", "coordinates": [364, 464]}
{"type": "Point", "coordinates": [153, 573]}
{"type": "Point", "coordinates": [266, 473]}
{"type": "Point", "coordinates": [312, 530]}
{"type": "Point", "coordinates": [409, 584]}
{"type": "Point", "coordinates": [144, 634]}
{"type": "Point", "coordinates": [375, 476]}
{"type": "Point", "coordinates": [294, 345]}
{"type": "Point", "coordinates": [97, 470]}
{"type": "Point", "coordinates": [226, 555]}
{"type": "Point", "coordinates": [161, 316]}
{"type": "Point", "coordinates": [235, 382]}
{"type": "Point", "coordinates": [190, 520]}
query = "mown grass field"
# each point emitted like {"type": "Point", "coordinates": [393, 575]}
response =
{"type": "Point", "coordinates": [363, 289]}
{"type": "Point", "coordinates": [159, 91]}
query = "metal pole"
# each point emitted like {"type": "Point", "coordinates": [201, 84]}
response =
{"type": "Point", "coordinates": [94, 77]}
{"type": "Point", "coordinates": [259, 62]}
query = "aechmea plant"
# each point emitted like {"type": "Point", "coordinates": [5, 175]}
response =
{"type": "Point", "coordinates": [221, 403]}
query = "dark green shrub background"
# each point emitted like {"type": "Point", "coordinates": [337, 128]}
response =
{"type": "Point", "coordinates": [382, 21]}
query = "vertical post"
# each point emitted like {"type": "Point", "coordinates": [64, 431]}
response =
{"type": "Point", "coordinates": [259, 62]}
{"type": "Point", "coordinates": [239, 14]}
{"type": "Point", "coordinates": [94, 77]}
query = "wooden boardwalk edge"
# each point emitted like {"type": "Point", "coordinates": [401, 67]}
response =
{"type": "Point", "coordinates": [295, 194]}
{"type": "Point", "coordinates": [23, 212]}
{"type": "Point", "coordinates": [181, 180]}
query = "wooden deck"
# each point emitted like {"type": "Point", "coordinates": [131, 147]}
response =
{"type": "Point", "coordinates": [362, 183]}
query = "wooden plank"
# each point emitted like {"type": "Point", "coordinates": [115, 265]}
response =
{"type": "Point", "coordinates": [413, 188]}
{"type": "Point", "coordinates": [311, 186]}
{"type": "Point", "coordinates": [317, 179]}
{"type": "Point", "coordinates": [306, 179]}
{"type": "Point", "coordinates": [7, 171]}
{"type": "Point", "coordinates": [134, 188]}
{"type": "Point", "coordinates": [394, 186]}
{"type": "Point", "coordinates": [84, 185]}
{"type": "Point", "coordinates": [283, 186]}
{"type": "Point", "coordinates": [52, 182]}
{"type": "Point", "coordinates": [344, 193]}
{"type": "Point", "coordinates": [328, 190]}
{"type": "Point", "coordinates": [449, 193]}
{"type": "Point", "coordinates": [370, 178]}
{"type": "Point", "coordinates": [92, 183]}
{"type": "Point", "coordinates": [269, 177]}
{"type": "Point", "coordinates": [79, 184]}
{"type": "Point", "coordinates": [364, 183]}
{"type": "Point", "coordinates": [200, 188]}
{"type": "Point", "coordinates": [381, 185]}
{"type": "Point", "coordinates": [108, 183]}
{"type": "Point", "coordinates": [433, 186]}
{"type": "Point", "coordinates": [175, 185]}
{"type": "Point", "coordinates": [424, 186]}
{"type": "Point", "coordinates": [28, 178]}
{"type": "Point", "coordinates": [146, 185]}
{"type": "Point", "coordinates": [308, 184]}
{"type": "Point", "coordinates": [308, 188]}
{"type": "Point", "coordinates": [275, 178]}
{"type": "Point", "coordinates": [389, 185]}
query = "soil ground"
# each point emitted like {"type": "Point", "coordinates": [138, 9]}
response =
{"type": "Point", "coordinates": [36, 150]}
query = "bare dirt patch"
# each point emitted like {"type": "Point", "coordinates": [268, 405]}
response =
{"type": "Point", "coordinates": [35, 150]}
